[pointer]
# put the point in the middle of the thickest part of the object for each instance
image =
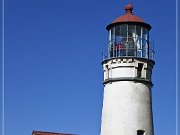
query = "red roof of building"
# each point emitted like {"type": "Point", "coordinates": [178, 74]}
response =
{"type": "Point", "coordinates": [128, 18]}
{"type": "Point", "coordinates": [48, 133]}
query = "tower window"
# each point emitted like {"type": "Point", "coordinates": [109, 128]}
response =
{"type": "Point", "coordinates": [140, 132]}
{"type": "Point", "coordinates": [107, 72]}
{"type": "Point", "coordinates": [139, 70]}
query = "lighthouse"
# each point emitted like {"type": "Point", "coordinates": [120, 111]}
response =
{"type": "Point", "coordinates": [127, 101]}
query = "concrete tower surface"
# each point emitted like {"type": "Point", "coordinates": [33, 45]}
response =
{"type": "Point", "coordinates": [127, 103]}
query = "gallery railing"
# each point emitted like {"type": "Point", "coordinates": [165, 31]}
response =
{"type": "Point", "coordinates": [130, 50]}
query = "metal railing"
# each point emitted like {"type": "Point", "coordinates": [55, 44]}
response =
{"type": "Point", "coordinates": [130, 50]}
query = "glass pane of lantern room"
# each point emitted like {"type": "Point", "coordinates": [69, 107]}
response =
{"type": "Point", "coordinates": [144, 43]}
{"type": "Point", "coordinates": [131, 31]}
{"type": "Point", "coordinates": [131, 47]}
{"type": "Point", "coordinates": [139, 30]}
{"type": "Point", "coordinates": [123, 31]}
{"type": "Point", "coordinates": [112, 42]}
{"type": "Point", "coordinates": [113, 34]}
{"type": "Point", "coordinates": [118, 36]}
{"type": "Point", "coordinates": [131, 40]}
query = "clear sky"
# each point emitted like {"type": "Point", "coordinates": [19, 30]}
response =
{"type": "Point", "coordinates": [53, 71]}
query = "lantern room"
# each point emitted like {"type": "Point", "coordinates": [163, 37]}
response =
{"type": "Point", "coordinates": [129, 37]}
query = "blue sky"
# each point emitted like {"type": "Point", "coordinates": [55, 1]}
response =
{"type": "Point", "coordinates": [53, 71]}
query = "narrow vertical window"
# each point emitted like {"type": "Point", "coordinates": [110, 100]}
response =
{"type": "Point", "coordinates": [139, 70]}
{"type": "Point", "coordinates": [107, 72]}
{"type": "Point", "coordinates": [140, 132]}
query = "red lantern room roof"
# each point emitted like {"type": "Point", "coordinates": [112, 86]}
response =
{"type": "Point", "coordinates": [128, 18]}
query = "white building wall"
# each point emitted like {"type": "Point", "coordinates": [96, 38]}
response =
{"type": "Point", "coordinates": [127, 104]}
{"type": "Point", "coordinates": [126, 109]}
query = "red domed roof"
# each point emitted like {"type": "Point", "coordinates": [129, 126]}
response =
{"type": "Point", "coordinates": [128, 17]}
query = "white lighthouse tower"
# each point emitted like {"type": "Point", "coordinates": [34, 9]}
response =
{"type": "Point", "coordinates": [127, 102]}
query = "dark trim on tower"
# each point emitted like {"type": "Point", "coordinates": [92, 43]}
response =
{"type": "Point", "coordinates": [135, 79]}
{"type": "Point", "coordinates": [133, 23]}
